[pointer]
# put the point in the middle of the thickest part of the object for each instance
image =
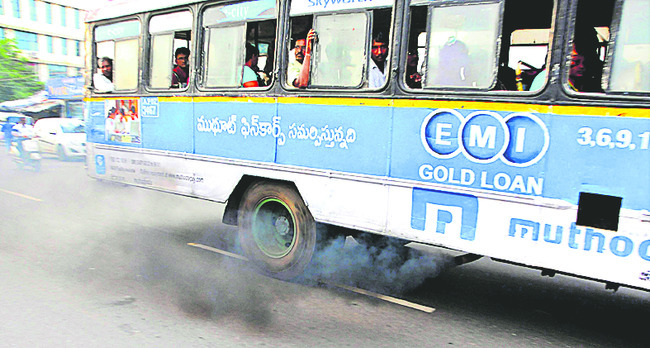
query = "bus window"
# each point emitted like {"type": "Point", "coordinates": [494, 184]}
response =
{"type": "Point", "coordinates": [342, 54]}
{"type": "Point", "coordinates": [379, 62]}
{"type": "Point", "coordinates": [339, 58]}
{"type": "Point", "coordinates": [462, 45]}
{"type": "Point", "coordinates": [526, 35]}
{"type": "Point", "coordinates": [120, 43]}
{"type": "Point", "coordinates": [630, 66]}
{"type": "Point", "coordinates": [297, 55]}
{"type": "Point", "coordinates": [584, 66]}
{"type": "Point", "coordinates": [261, 36]}
{"type": "Point", "coordinates": [170, 42]}
{"type": "Point", "coordinates": [236, 37]}
{"type": "Point", "coordinates": [416, 48]}
{"type": "Point", "coordinates": [526, 64]}
{"type": "Point", "coordinates": [224, 58]}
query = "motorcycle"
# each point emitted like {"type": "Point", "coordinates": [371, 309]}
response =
{"type": "Point", "coordinates": [30, 157]}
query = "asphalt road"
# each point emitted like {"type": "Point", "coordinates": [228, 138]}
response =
{"type": "Point", "coordinates": [85, 263]}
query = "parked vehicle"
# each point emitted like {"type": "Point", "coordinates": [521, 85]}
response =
{"type": "Point", "coordinates": [63, 137]}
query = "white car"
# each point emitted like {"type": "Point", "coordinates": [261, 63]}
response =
{"type": "Point", "coordinates": [64, 137]}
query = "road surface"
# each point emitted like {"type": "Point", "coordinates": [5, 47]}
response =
{"type": "Point", "coordinates": [85, 263]}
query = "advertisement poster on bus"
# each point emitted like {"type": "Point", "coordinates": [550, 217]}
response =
{"type": "Point", "coordinates": [122, 121]}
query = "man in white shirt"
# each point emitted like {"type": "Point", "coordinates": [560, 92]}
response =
{"type": "Point", "coordinates": [298, 70]}
{"type": "Point", "coordinates": [20, 132]}
{"type": "Point", "coordinates": [104, 82]}
{"type": "Point", "coordinates": [378, 68]}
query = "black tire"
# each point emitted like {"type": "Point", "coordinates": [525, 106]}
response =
{"type": "Point", "coordinates": [60, 152]}
{"type": "Point", "coordinates": [276, 230]}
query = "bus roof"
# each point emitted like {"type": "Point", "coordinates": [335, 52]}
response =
{"type": "Point", "coordinates": [119, 8]}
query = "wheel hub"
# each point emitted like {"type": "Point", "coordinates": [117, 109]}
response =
{"type": "Point", "coordinates": [282, 226]}
{"type": "Point", "coordinates": [273, 228]}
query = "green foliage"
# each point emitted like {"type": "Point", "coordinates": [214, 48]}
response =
{"type": "Point", "coordinates": [18, 78]}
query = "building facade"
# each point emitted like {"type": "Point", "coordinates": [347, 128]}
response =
{"type": "Point", "coordinates": [50, 34]}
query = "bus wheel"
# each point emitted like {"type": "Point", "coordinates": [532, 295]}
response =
{"type": "Point", "coordinates": [276, 230]}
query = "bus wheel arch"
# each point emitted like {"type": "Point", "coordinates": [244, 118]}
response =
{"type": "Point", "coordinates": [276, 229]}
{"type": "Point", "coordinates": [231, 211]}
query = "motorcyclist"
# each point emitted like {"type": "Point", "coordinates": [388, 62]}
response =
{"type": "Point", "coordinates": [21, 132]}
{"type": "Point", "coordinates": [7, 127]}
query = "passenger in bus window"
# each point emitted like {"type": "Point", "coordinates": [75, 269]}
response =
{"type": "Point", "coordinates": [266, 74]}
{"type": "Point", "coordinates": [293, 70]}
{"type": "Point", "coordinates": [249, 76]}
{"type": "Point", "coordinates": [107, 68]}
{"type": "Point", "coordinates": [576, 71]}
{"type": "Point", "coordinates": [103, 81]}
{"type": "Point", "coordinates": [453, 64]}
{"type": "Point", "coordinates": [413, 77]}
{"type": "Point", "coordinates": [298, 70]}
{"type": "Point", "coordinates": [377, 69]}
{"type": "Point", "coordinates": [539, 80]}
{"type": "Point", "coordinates": [181, 72]}
{"type": "Point", "coordinates": [585, 73]}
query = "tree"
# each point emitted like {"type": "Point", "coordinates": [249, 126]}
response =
{"type": "Point", "coordinates": [18, 80]}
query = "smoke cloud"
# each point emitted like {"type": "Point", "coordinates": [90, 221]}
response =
{"type": "Point", "coordinates": [131, 247]}
{"type": "Point", "coordinates": [390, 269]}
{"type": "Point", "coordinates": [138, 256]}
{"type": "Point", "coordinates": [201, 284]}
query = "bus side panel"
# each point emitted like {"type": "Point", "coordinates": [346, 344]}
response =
{"type": "Point", "coordinates": [353, 139]}
{"type": "Point", "coordinates": [114, 121]}
{"type": "Point", "coordinates": [500, 152]}
{"type": "Point", "coordinates": [96, 123]}
{"type": "Point", "coordinates": [237, 130]}
{"type": "Point", "coordinates": [169, 127]}
{"type": "Point", "coordinates": [345, 202]}
{"type": "Point", "coordinates": [600, 154]}
{"type": "Point", "coordinates": [522, 207]}
{"type": "Point", "coordinates": [151, 169]}
{"type": "Point", "coordinates": [543, 237]}
{"type": "Point", "coordinates": [461, 156]}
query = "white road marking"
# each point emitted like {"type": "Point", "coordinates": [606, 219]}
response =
{"type": "Point", "coordinates": [345, 287]}
{"type": "Point", "coordinates": [21, 195]}
{"type": "Point", "coordinates": [385, 298]}
{"type": "Point", "coordinates": [218, 251]}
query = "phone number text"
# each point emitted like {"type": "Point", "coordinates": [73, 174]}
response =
{"type": "Point", "coordinates": [613, 139]}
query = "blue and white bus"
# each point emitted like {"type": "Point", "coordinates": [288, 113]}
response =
{"type": "Point", "coordinates": [511, 129]}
